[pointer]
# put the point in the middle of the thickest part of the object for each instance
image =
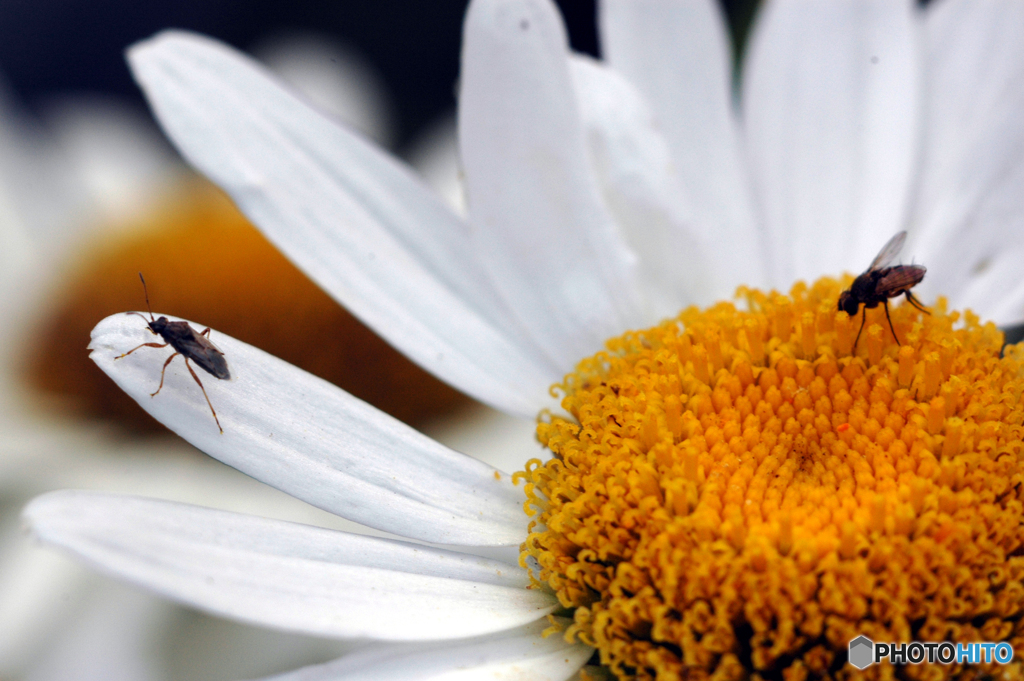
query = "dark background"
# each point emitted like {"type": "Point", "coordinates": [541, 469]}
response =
{"type": "Point", "coordinates": [56, 47]}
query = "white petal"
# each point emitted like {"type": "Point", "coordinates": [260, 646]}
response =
{"type": "Point", "coordinates": [997, 292]}
{"type": "Point", "coordinates": [117, 154]}
{"type": "Point", "coordinates": [641, 186]}
{"type": "Point", "coordinates": [356, 221]}
{"type": "Point", "coordinates": [112, 639]}
{"type": "Point", "coordinates": [970, 208]}
{"type": "Point", "coordinates": [334, 77]}
{"type": "Point", "coordinates": [33, 203]}
{"type": "Point", "coordinates": [831, 108]}
{"type": "Point", "coordinates": [677, 54]}
{"type": "Point", "coordinates": [289, 576]}
{"type": "Point", "coordinates": [535, 204]}
{"type": "Point", "coordinates": [434, 153]}
{"type": "Point", "coordinates": [306, 437]}
{"type": "Point", "coordinates": [520, 654]}
{"type": "Point", "coordinates": [40, 595]}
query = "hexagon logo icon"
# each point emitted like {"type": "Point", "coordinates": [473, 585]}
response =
{"type": "Point", "coordinates": [862, 651]}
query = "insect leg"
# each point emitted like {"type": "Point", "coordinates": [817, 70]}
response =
{"type": "Point", "coordinates": [205, 332]}
{"type": "Point", "coordinates": [915, 302]}
{"type": "Point", "coordinates": [886, 304]}
{"type": "Point", "coordinates": [144, 345]}
{"type": "Point", "coordinates": [162, 373]}
{"type": "Point", "coordinates": [863, 318]}
{"type": "Point", "coordinates": [204, 394]}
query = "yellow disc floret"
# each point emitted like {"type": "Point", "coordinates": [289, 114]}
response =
{"type": "Point", "coordinates": [739, 491]}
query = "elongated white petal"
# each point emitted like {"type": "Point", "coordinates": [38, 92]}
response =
{"type": "Point", "coordinates": [289, 576]}
{"type": "Point", "coordinates": [831, 109]}
{"type": "Point", "coordinates": [970, 208]}
{"type": "Point", "coordinates": [534, 201]}
{"type": "Point", "coordinates": [356, 221]}
{"type": "Point", "coordinates": [517, 655]}
{"type": "Point", "coordinates": [641, 187]}
{"type": "Point", "coordinates": [677, 54]}
{"type": "Point", "coordinates": [311, 439]}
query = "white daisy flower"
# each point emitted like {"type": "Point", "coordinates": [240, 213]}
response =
{"type": "Point", "coordinates": [601, 198]}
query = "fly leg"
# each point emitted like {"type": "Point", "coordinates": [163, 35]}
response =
{"type": "Point", "coordinates": [886, 304]}
{"type": "Point", "coordinates": [144, 345]}
{"type": "Point", "coordinates": [162, 373]}
{"type": "Point", "coordinates": [915, 302]}
{"type": "Point", "coordinates": [204, 394]}
{"type": "Point", "coordinates": [863, 318]}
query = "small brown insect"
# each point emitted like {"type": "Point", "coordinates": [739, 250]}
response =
{"type": "Point", "coordinates": [880, 282]}
{"type": "Point", "coordinates": [187, 343]}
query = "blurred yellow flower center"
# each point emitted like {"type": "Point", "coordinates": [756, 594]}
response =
{"type": "Point", "coordinates": [204, 261]}
{"type": "Point", "coordinates": [738, 491]}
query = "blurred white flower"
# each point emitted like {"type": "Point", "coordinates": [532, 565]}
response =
{"type": "Point", "coordinates": [79, 175]}
{"type": "Point", "coordinates": [51, 177]}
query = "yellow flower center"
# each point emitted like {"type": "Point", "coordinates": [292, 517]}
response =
{"type": "Point", "coordinates": [743, 491]}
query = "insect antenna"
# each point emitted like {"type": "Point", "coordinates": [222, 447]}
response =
{"type": "Point", "coordinates": [139, 314]}
{"type": "Point", "coordinates": [145, 291]}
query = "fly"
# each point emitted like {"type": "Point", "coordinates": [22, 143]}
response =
{"type": "Point", "coordinates": [880, 282]}
{"type": "Point", "coordinates": [187, 343]}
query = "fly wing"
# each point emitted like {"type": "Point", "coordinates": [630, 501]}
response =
{"type": "Point", "coordinates": [889, 251]}
{"type": "Point", "coordinates": [898, 279]}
